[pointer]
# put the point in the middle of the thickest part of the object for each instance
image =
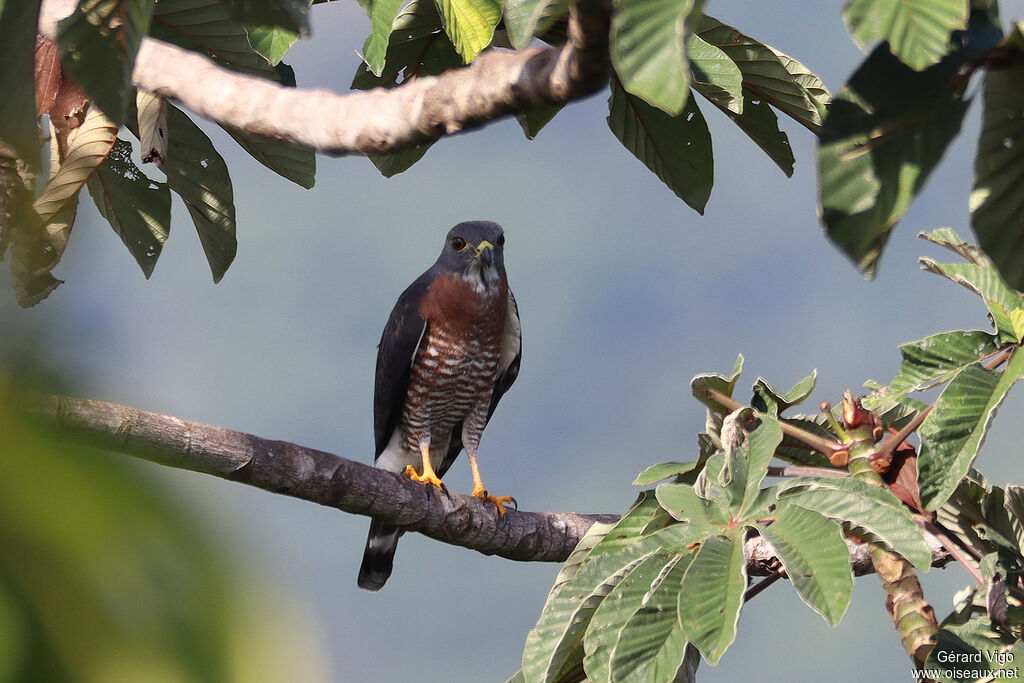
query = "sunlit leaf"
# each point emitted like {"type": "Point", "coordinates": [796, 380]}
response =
{"type": "Point", "coordinates": [985, 281]}
{"type": "Point", "coordinates": [872, 510]}
{"type": "Point", "coordinates": [918, 31]}
{"type": "Point", "coordinates": [647, 51]}
{"type": "Point", "coordinates": [884, 135]}
{"type": "Point", "coordinates": [715, 75]}
{"type": "Point", "coordinates": [137, 208]}
{"type": "Point", "coordinates": [152, 119]}
{"type": "Point", "coordinates": [87, 146]}
{"type": "Point", "coordinates": [816, 559]}
{"type": "Point", "coordinates": [932, 361]}
{"type": "Point", "coordinates": [764, 73]}
{"type": "Point", "coordinates": [98, 44]}
{"type": "Point", "coordinates": [273, 42]}
{"type": "Point", "coordinates": [470, 24]}
{"type": "Point", "coordinates": [382, 16]}
{"type": "Point", "coordinates": [712, 594]}
{"type": "Point", "coordinates": [526, 18]}
{"type": "Point", "coordinates": [611, 616]}
{"type": "Point", "coordinates": [656, 473]}
{"type": "Point", "coordinates": [997, 205]}
{"type": "Point", "coordinates": [768, 397]}
{"type": "Point", "coordinates": [953, 432]}
{"type": "Point", "coordinates": [198, 174]}
{"type": "Point", "coordinates": [566, 616]}
{"type": "Point", "coordinates": [677, 149]}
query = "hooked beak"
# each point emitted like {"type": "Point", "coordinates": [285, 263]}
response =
{"type": "Point", "coordinates": [485, 253]}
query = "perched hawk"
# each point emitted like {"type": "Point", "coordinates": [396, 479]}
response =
{"type": "Point", "coordinates": [449, 352]}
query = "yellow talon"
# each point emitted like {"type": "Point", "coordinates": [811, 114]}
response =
{"type": "Point", "coordinates": [499, 501]}
{"type": "Point", "coordinates": [428, 477]}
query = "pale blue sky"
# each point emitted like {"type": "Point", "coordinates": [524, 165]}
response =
{"type": "Point", "coordinates": [625, 294]}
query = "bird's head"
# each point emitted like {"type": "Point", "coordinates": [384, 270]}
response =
{"type": "Point", "coordinates": [475, 250]}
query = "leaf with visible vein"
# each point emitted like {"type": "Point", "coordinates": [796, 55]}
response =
{"type": "Point", "coordinates": [526, 18]}
{"type": "Point", "coordinates": [953, 432]}
{"type": "Point", "coordinates": [816, 559]}
{"type": "Point", "coordinates": [470, 24]}
{"type": "Point", "coordinates": [137, 208]}
{"type": "Point", "coordinates": [677, 149]}
{"type": "Point", "coordinates": [712, 594]}
{"type": "Point", "coordinates": [917, 31]}
{"type": "Point", "coordinates": [647, 51]}
{"type": "Point", "coordinates": [997, 204]}
{"type": "Point", "coordinates": [98, 43]}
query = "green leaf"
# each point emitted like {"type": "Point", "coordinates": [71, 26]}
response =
{"type": "Point", "coordinates": [559, 632]}
{"type": "Point", "coordinates": [985, 282]}
{"type": "Point", "coordinates": [198, 174]}
{"type": "Point", "coordinates": [883, 137]}
{"type": "Point", "coordinates": [470, 24]}
{"type": "Point", "coordinates": [997, 208]}
{"type": "Point", "coordinates": [418, 46]}
{"type": "Point", "coordinates": [665, 470]}
{"type": "Point", "coordinates": [764, 73]}
{"type": "Point", "coordinates": [88, 145]}
{"type": "Point", "coordinates": [297, 164]}
{"type": "Point", "coordinates": [272, 42]}
{"type": "Point", "coordinates": [767, 397]}
{"type": "Point", "coordinates": [382, 16]}
{"type": "Point", "coordinates": [953, 432]}
{"type": "Point", "coordinates": [947, 237]}
{"type": "Point", "coordinates": [871, 509]}
{"type": "Point", "coordinates": [98, 44]}
{"type": "Point", "coordinates": [532, 121]}
{"type": "Point", "coordinates": [1014, 504]}
{"type": "Point", "coordinates": [682, 502]}
{"type": "Point", "coordinates": [806, 79]}
{"type": "Point", "coordinates": [917, 31]}
{"type": "Point", "coordinates": [761, 125]}
{"type": "Point", "coordinates": [527, 18]}
{"type": "Point", "coordinates": [747, 465]}
{"type": "Point", "coordinates": [677, 149]}
{"type": "Point", "coordinates": [932, 361]}
{"type": "Point", "coordinates": [977, 641]}
{"type": "Point", "coordinates": [647, 51]}
{"type": "Point", "coordinates": [720, 383]}
{"type": "Point", "coordinates": [291, 15]}
{"type": "Point", "coordinates": [207, 27]}
{"type": "Point", "coordinates": [138, 209]}
{"type": "Point", "coordinates": [816, 559]}
{"type": "Point", "coordinates": [715, 75]}
{"type": "Point", "coordinates": [652, 645]}
{"type": "Point", "coordinates": [712, 594]}
{"type": "Point", "coordinates": [18, 127]}
{"type": "Point", "coordinates": [611, 616]}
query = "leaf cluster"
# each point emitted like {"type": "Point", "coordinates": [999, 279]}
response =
{"type": "Point", "coordinates": [83, 85]}
{"type": "Point", "coordinates": [646, 598]}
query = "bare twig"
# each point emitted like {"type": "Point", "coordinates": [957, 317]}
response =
{"type": "Point", "coordinates": [498, 83]}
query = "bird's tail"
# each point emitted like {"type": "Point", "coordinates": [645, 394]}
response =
{"type": "Point", "coordinates": [379, 556]}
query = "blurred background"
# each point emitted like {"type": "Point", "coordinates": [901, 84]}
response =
{"type": "Point", "coordinates": [144, 573]}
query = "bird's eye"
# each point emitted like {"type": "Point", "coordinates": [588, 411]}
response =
{"type": "Point", "coordinates": [458, 244]}
{"type": "Point", "coordinates": [501, 240]}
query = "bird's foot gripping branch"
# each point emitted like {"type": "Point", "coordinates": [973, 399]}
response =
{"type": "Point", "coordinates": [650, 595]}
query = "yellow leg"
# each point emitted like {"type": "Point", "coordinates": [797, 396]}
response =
{"type": "Point", "coordinates": [480, 492]}
{"type": "Point", "coordinates": [428, 476]}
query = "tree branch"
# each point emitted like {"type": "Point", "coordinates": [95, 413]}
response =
{"type": "Point", "coordinates": [327, 479]}
{"type": "Point", "coordinates": [313, 475]}
{"type": "Point", "coordinates": [498, 83]}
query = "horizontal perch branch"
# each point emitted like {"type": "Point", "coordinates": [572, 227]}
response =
{"type": "Point", "coordinates": [498, 83]}
{"type": "Point", "coordinates": [327, 479]}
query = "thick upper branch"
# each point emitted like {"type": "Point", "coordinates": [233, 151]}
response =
{"type": "Point", "coordinates": [498, 83]}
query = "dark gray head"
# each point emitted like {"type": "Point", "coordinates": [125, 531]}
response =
{"type": "Point", "coordinates": [475, 250]}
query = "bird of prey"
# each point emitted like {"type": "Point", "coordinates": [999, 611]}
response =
{"type": "Point", "coordinates": [449, 351]}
